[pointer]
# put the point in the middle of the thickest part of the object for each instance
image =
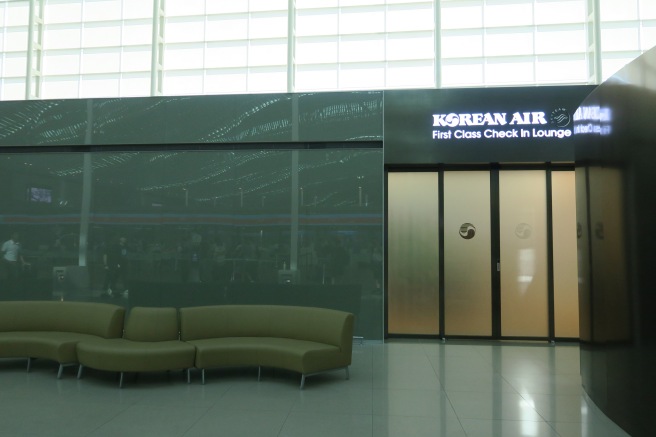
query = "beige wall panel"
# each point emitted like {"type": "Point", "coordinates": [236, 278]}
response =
{"type": "Point", "coordinates": [467, 281]}
{"type": "Point", "coordinates": [413, 253]}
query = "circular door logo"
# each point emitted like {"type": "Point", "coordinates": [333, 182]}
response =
{"type": "Point", "coordinates": [523, 231]}
{"type": "Point", "coordinates": [467, 231]}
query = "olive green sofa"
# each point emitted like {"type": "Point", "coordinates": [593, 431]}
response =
{"type": "Point", "coordinates": [150, 343]}
{"type": "Point", "coordinates": [52, 329]}
{"type": "Point", "coordinates": [301, 339]}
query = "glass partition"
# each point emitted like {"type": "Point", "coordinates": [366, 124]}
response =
{"type": "Point", "coordinates": [296, 227]}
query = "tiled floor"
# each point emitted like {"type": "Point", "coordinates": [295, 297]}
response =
{"type": "Point", "coordinates": [401, 388]}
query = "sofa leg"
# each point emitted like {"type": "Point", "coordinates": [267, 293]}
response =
{"type": "Point", "coordinates": [259, 373]}
{"type": "Point", "coordinates": [120, 381]}
{"type": "Point", "coordinates": [61, 370]}
{"type": "Point", "coordinates": [348, 374]}
{"type": "Point", "coordinates": [202, 376]}
{"type": "Point", "coordinates": [302, 381]}
{"type": "Point", "coordinates": [188, 376]}
{"type": "Point", "coordinates": [29, 364]}
{"type": "Point", "coordinates": [79, 371]}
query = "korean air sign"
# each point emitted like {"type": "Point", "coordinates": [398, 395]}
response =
{"type": "Point", "coordinates": [494, 125]}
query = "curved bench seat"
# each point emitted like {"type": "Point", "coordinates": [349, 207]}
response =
{"type": "Point", "coordinates": [150, 343]}
{"type": "Point", "coordinates": [56, 346]}
{"type": "Point", "coordinates": [305, 357]}
{"type": "Point", "coordinates": [121, 355]}
{"type": "Point", "coordinates": [301, 339]}
{"type": "Point", "coordinates": [52, 329]}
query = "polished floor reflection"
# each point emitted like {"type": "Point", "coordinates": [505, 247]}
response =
{"type": "Point", "coordinates": [400, 388]}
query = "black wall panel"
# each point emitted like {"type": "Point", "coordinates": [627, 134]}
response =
{"type": "Point", "coordinates": [616, 151]}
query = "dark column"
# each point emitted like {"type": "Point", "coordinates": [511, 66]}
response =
{"type": "Point", "coordinates": [616, 214]}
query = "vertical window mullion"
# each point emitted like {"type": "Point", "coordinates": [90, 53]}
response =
{"type": "Point", "coordinates": [437, 41]}
{"type": "Point", "coordinates": [291, 45]}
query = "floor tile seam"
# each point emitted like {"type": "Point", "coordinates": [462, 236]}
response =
{"type": "Point", "coordinates": [438, 390]}
{"type": "Point", "coordinates": [456, 412]}
{"type": "Point", "coordinates": [379, 415]}
{"type": "Point", "coordinates": [549, 391]}
{"type": "Point", "coordinates": [407, 354]}
{"type": "Point", "coordinates": [504, 419]}
{"type": "Point", "coordinates": [483, 392]}
{"type": "Point", "coordinates": [327, 414]}
{"type": "Point", "coordinates": [543, 419]}
{"type": "Point", "coordinates": [543, 416]}
{"type": "Point", "coordinates": [526, 395]}
{"type": "Point", "coordinates": [467, 375]}
{"type": "Point", "coordinates": [448, 416]}
{"type": "Point", "coordinates": [570, 422]}
{"type": "Point", "coordinates": [511, 385]}
{"type": "Point", "coordinates": [201, 417]}
{"type": "Point", "coordinates": [282, 425]}
{"type": "Point", "coordinates": [114, 417]}
{"type": "Point", "coordinates": [297, 406]}
{"type": "Point", "coordinates": [519, 421]}
{"type": "Point", "coordinates": [258, 409]}
{"type": "Point", "coordinates": [488, 359]}
{"type": "Point", "coordinates": [372, 400]}
{"type": "Point", "coordinates": [479, 391]}
{"type": "Point", "coordinates": [191, 426]}
{"type": "Point", "coordinates": [83, 401]}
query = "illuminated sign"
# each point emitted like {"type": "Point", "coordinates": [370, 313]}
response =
{"type": "Point", "coordinates": [475, 126]}
{"type": "Point", "coordinates": [593, 120]}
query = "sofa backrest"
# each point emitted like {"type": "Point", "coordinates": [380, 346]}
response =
{"type": "Point", "coordinates": [101, 319]}
{"type": "Point", "coordinates": [301, 323]}
{"type": "Point", "coordinates": [152, 324]}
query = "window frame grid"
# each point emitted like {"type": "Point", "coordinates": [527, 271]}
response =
{"type": "Point", "coordinates": [591, 28]}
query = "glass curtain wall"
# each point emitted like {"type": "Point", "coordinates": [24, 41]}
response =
{"type": "Point", "coordinates": [14, 26]}
{"type": "Point", "coordinates": [224, 47]}
{"type": "Point", "coordinates": [96, 48]}
{"type": "Point", "coordinates": [361, 44]}
{"type": "Point", "coordinates": [628, 28]}
{"type": "Point", "coordinates": [300, 227]}
{"type": "Point", "coordinates": [120, 48]}
{"type": "Point", "coordinates": [516, 42]}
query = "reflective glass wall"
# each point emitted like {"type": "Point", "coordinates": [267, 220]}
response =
{"type": "Point", "coordinates": [300, 227]}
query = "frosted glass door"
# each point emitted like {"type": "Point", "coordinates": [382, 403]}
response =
{"type": "Point", "coordinates": [523, 253]}
{"type": "Point", "coordinates": [467, 261]}
{"type": "Point", "coordinates": [413, 253]}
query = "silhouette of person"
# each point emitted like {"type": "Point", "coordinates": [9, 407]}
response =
{"type": "Point", "coordinates": [12, 260]}
{"type": "Point", "coordinates": [115, 259]}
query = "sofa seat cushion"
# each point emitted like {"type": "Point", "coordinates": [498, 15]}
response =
{"type": "Point", "coordinates": [121, 355]}
{"type": "Point", "coordinates": [52, 345]}
{"type": "Point", "coordinates": [298, 355]}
